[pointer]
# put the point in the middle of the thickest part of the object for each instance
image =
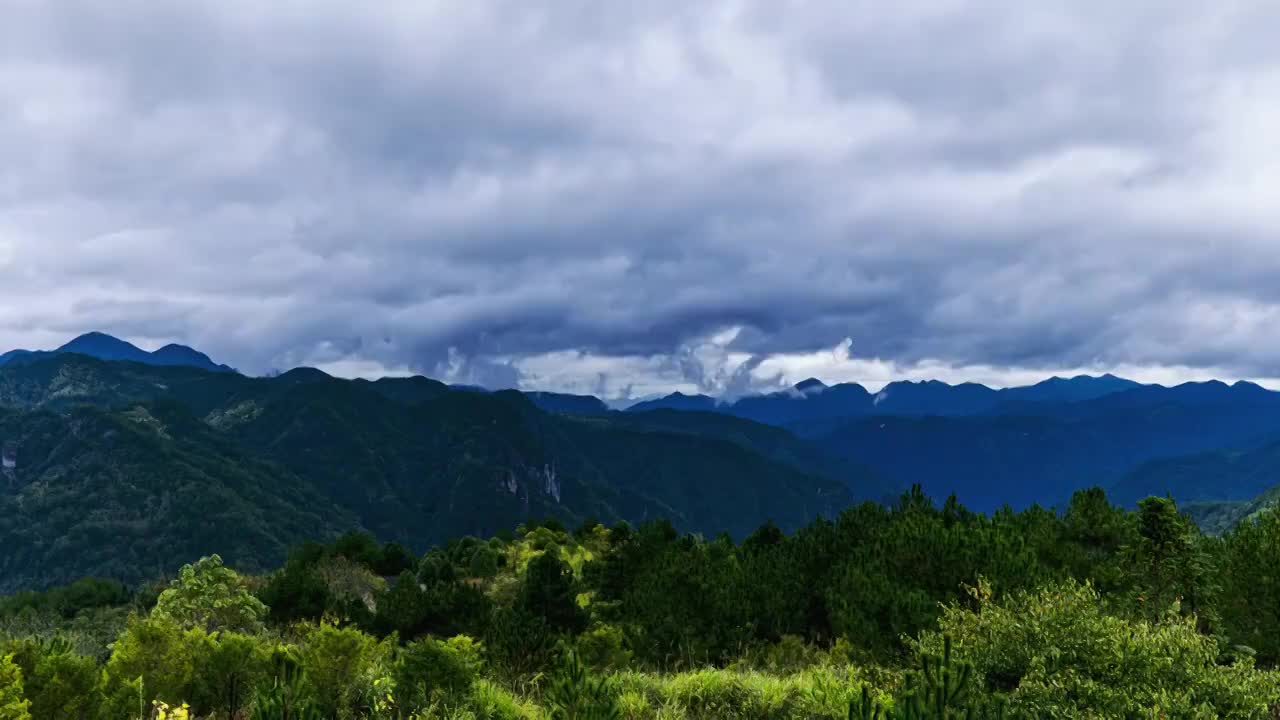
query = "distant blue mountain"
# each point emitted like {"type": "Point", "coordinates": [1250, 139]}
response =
{"type": "Point", "coordinates": [1024, 457]}
{"type": "Point", "coordinates": [568, 404]}
{"type": "Point", "coordinates": [1076, 389]}
{"type": "Point", "coordinates": [677, 401]}
{"type": "Point", "coordinates": [105, 347]}
{"type": "Point", "coordinates": [933, 397]}
{"type": "Point", "coordinates": [12, 355]}
{"type": "Point", "coordinates": [813, 403]}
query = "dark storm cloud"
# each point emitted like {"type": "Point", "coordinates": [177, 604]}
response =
{"type": "Point", "coordinates": [584, 196]}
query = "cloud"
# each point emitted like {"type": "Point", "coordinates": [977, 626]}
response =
{"type": "Point", "coordinates": [584, 195]}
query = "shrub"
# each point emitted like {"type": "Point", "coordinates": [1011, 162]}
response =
{"type": "Point", "coordinates": [12, 704]}
{"type": "Point", "coordinates": [430, 669]}
{"type": "Point", "coordinates": [345, 668]}
{"type": "Point", "coordinates": [1058, 653]}
{"type": "Point", "coordinates": [603, 647]}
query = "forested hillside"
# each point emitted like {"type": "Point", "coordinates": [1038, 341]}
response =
{"type": "Point", "coordinates": [171, 463]}
{"type": "Point", "coordinates": [914, 610]}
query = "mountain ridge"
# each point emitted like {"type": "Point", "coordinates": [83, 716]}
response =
{"type": "Point", "coordinates": [102, 346]}
{"type": "Point", "coordinates": [406, 458]}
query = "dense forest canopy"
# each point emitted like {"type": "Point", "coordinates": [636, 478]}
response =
{"type": "Point", "coordinates": [920, 608]}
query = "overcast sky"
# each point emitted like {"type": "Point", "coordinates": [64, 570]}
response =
{"type": "Point", "coordinates": [601, 197]}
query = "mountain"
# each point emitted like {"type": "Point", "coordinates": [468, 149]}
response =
{"type": "Point", "coordinates": [932, 397]}
{"type": "Point", "coordinates": [1218, 516]}
{"type": "Point", "coordinates": [990, 460]}
{"type": "Point", "coordinates": [105, 347]}
{"type": "Point", "coordinates": [1067, 390]}
{"type": "Point", "coordinates": [806, 402]}
{"type": "Point", "coordinates": [677, 401]}
{"type": "Point", "coordinates": [569, 404]}
{"type": "Point", "coordinates": [1217, 488]}
{"type": "Point", "coordinates": [109, 449]}
{"type": "Point", "coordinates": [12, 355]}
{"type": "Point", "coordinates": [1215, 475]}
{"type": "Point", "coordinates": [172, 354]}
{"type": "Point", "coordinates": [130, 494]}
{"type": "Point", "coordinates": [772, 442]}
{"type": "Point", "coordinates": [813, 405]}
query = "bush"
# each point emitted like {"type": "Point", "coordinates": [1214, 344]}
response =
{"type": "Point", "coordinates": [58, 682]}
{"type": "Point", "coordinates": [574, 694]}
{"type": "Point", "coordinates": [12, 704]}
{"type": "Point", "coordinates": [603, 647]}
{"type": "Point", "coordinates": [156, 651]}
{"type": "Point", "coordinates": [518, 643]}
{"type": "Point", "coordinates": [428, 670]}
{"type": "Point", "coordinates": [1058, 653]}
{"type": "Point", "coordinates": [345, 668]}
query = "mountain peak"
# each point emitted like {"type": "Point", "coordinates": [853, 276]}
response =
{"type": "Point", "coordinates": [810, 386]}
{"type": "Point", "coordinates": [104, 347]}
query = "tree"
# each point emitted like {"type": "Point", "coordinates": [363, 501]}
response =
{"type": "Point", "coordinates": [1169, 564]}
{"type": "Point", "coordinates": [548, 593]}
{"type": "Point", "coordinates": [210, 596]}
{"type": "Point", "coordinates": [342, 666]}
{"type": "Point", "coordinates": [404, 609]}
{"type": "Point", "coordinates": [1059, 651]}
{"type": "Point", "coordinates": [227, 667]}
{"type": "Point", "coordinates": [430, 669]}
{"type": "Point", "coordinates": [60, 684]}
{"type": "Point", "coordinates": [484, 562]}
{"type": "Point", "coordinates": [1249, 568]}
{"type": "Point", "coordinates": [156, 651]}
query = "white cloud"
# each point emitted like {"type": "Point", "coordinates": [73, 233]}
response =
{"type": "Point", "coordinates": [582, 195]}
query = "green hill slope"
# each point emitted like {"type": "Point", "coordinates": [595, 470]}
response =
{"type": "Point", "coordinates": [169, 462]}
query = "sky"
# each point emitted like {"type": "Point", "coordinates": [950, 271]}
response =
{"type": "Point", "coordinates": [631, 198]}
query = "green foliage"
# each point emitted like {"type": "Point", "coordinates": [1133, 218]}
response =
{"type": "Point", "coordinates": [67, 601]}
{"type": "Point", "coordinates": [227, 668]}
{"type": "Point", "coordinates": [1058, 651]}
{"type": "Point", "coordinates": [169, 488]}
{"type": "Point", "coordinates": [343, 668]}
{"type": "Point", "coordinates": [157, 654]}
{"type": "Point", "coordinates": [484, 562]}
{"type": "Point", "coordinates": [181, 463]}
{"type": "Point", "coordinates": [284, 697]}
{"type": "Point", "coordinates": [298, 590]}
{"type": "Point", "coordinates": [802, 626]}
{"type": "Point", "coordinates": [405, 608]}
{"type": "Point", "coordinates": [575, 695]}
{"type": "Point", "coordinates": [1170, 562]}
{"type": "Point", "coordinates": [518, 642]}
{"type": "Point", "coordinates": [1248, 570]}
{"type": "Point", "coordinates": [210, 596]}
{"type": "Point", "coordinates": [59, 683]}
{"type": "Point", "coordinates": [604, 647]}
{"type": "Point", "coordinates": [429, 671]}
{"type": "Point", "coordinates": [549, 593]}
{"type": "Point", "coordinates": [13, 706]}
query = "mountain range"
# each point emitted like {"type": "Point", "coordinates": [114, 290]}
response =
{"type": "Point", "coordinates": [123, 469]}
{"type": "Point", "coordinates": [163, 456]}
{"type": "Point", "coordinates": [813, 401]}
{"type": "Point", "coordinates": [1210, 444]}
{"type": "Point", "coordinates": [105, 347]}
